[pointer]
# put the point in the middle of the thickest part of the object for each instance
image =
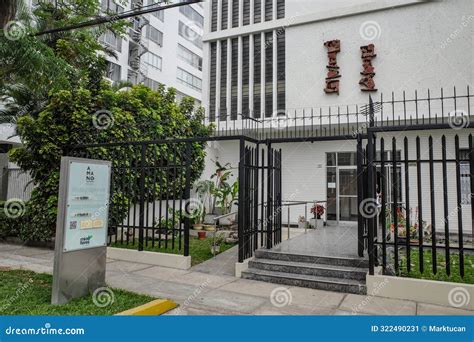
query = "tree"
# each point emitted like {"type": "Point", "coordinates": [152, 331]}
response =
{"type": "Point", "coordinates": [33, 67]}
{"type": "Point", "coordinates": [70, 119]}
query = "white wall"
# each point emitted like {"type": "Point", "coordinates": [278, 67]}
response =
{"type": "Point", "coordinates": [409, 42]}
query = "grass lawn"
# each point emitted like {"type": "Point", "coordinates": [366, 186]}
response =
{"type": "Point", "coordinates": [29, 293]}
{"type": "Point", "coordinates": [440, 266]}
{"type": "Point", "coordinates": [199, 250]}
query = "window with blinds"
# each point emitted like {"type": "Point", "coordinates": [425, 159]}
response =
{"type": "Point", "coordinates": [280, 9]}
{"type": "Point", "coordinates": [213, 82]}
{"type": "Point", "coordinates": [154, 35]}
{"type": "Point", "coordinates": [245, 76]}
{"type": "Point", "coordinates": [268, 74]}
{"type": "Point", "coordinates": [214, 5]}
{"type": "Point", "coordinates": [223, 87]}
{"type": "Point", "coordinates": [190, 35]}
{"type": "Point", "coordinates": [268, 10]}
{"type": "Point", "coordinates": [281, 91]}
{"type": "Point", "coordinates": [257, 11]}
{"type": "Point", "coordinates": [234, 83]}
{"type": "Point", "coordinates": [257, 89]}
{"type": "Point", "coordinates": [235, 13]}
{"type": "Point", "coordinates": [225, 14]}
{"type": "Point", "coordinates": [246, 12]}
{"type": "Point", "coordinates": [190, 57]}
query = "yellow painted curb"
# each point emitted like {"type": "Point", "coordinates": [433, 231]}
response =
{"type": "Point", "coordinates": [153, 308]}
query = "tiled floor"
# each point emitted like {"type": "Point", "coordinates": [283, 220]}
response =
{"type": "Point", "coordinates": [331, 240]}
{"type": "Point", "coordinates": [214, 293]}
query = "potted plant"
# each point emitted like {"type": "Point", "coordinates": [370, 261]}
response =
{"type": "Point", "coordinates": [197, 218]}
{"type": "Point", "coordinates": [226, 195]}
{"type": "Point", "coordinates": [216, 243]}
{"type": "Point", "coordinates": [202, 235]}
{"type": "Point", "coordinates": [318, 211]}
{"type": "Point", "coordinates": [204, 189]}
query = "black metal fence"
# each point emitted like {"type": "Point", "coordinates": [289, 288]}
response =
{"type": "Point", "coordinates": [416, 206]}
{"type": "Point", "coordinates": [415, 109]}
{"type": "Point", "coordinates": [260, 198]}
{"type": "Point", "coordinates": [150, 193]}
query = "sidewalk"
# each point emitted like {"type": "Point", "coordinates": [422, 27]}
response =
{"type": "Point", "coordinates": [207, 290]}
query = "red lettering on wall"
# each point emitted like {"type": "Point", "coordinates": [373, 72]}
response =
{"type": "Point", "coordinates": [332, 79]}
{"type": "Point", "coordinates": [367, 82]}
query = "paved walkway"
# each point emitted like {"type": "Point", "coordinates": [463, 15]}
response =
{"type": "Point", "coordinates": [214, 293]}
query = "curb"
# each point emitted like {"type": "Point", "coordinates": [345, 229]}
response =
{"type": "Point", "coordinates": [153, 308]}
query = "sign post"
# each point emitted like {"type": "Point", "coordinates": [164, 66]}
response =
{"type": "Point", "coordinates": [81, 228]}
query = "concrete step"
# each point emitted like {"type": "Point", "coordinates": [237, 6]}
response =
{"type": "Point", "coordinates": [322, 270]}
{"type": "Point", "coordinates": [312, 259]}
{"type": "Point", "coordinates": [309, 281]}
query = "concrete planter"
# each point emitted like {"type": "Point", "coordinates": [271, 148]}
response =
{"type": "Point", "coordinates": [456, 295]}
{"type": "Point", "coordinates": [151, 258]}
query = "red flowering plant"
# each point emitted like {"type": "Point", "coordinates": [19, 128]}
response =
{"type": "Point", "coordinates": [317, 210]}
{"type": "Point", "coordinates": [402, 224]}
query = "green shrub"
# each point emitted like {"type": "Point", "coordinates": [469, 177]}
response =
{"type": "Point", "coordinates": [70, 119]}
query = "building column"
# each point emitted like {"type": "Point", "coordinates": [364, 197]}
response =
{"type": "Point", "coordinates": [241, 13]}
{"type": "Point", "coordinates": [262, 74]}
{"type": "Point", "coordinates": [251, 74]}
{"type": "Point", "coordinates": [275, 70]}
{"type": "Point", "coordinates": [275, 10]}
{"type": "Point", "coordinates": [239, 74]}
{"type": "Point", "coordinates": [252, 12]}
{"type": "Point", "coordinates": [219, 15]}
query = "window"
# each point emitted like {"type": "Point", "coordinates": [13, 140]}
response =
{"type": "Point", "coordinates": [223, 80]}
{"type": "Point", "coordinates": [190, 57]}
{"type": "Point", "coordinates": [190, 34]}
{"type": "Point", "coordinates": [257, 90]}
{"type": "Point", "coordinates": [225, 14]}
{"type": "Point", "coordinates": [154, 35]}
{"type": "Point", "coordinates": [464, 168]}
{"type": "Point", "coordinates": [153, 60]}
{"type": "Point", "coordinates": [268, 74]}
{"type": "Point", "coordinates": [235, 13]}
{"type": "Point", "coordinates": [257, 16]}
{"type": "Point", "coordinates": [212, 82]}
{"type": "Point", "coordinates": [281, 73]}
{"type": "Point", "coordinates": [280, 9]}
{"type": "Point", "coordinates": [246, 12]}
{"type": "Point", "coordinates": [268, 10]}
{"type": "Point", "coordinates": [151, 83]}
{"type": "Point", "coordinates": [233, 79]}
{"type": "Point", "coordinates": [110, 6]}
{"type": "Point", "coordinates": [159, 14]}
{"type": "Point", "coordinates": [112, 40]}
{"type": "Point", "coordinates": [214, 6]}
{"type": "Point", "coordinates": [113, 71]}
{"type": "Point", "coordinates": [188, 79]}
{"type": "Point", "coordinates": [192, 15]}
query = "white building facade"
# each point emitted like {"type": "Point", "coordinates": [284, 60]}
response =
{"type": "Point", "coordinates": [299, 74]}
{"type": "Point", "coordinates": [162, 47]}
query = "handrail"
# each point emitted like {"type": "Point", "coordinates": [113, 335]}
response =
{"type": "Point", "coordinates": [225, 215]}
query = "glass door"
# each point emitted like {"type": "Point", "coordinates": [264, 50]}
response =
{"type": "Point", "coordinates": [347, 193]}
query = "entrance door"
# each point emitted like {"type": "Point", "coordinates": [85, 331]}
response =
{"type": "Point", "coordinates": [342, 186]}
{"type": "Point", "coordinates": [347, 181]}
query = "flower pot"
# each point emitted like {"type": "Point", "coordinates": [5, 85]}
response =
{"type": "Point", "coordinates": [201, 235]}
{"type": "Point", "coordinates": [197, 226]}
{"type": "Point", "coordinates": [209, 228]}
{"type": "Point", "coordinates": [319, 223]}
{"type": "Point", "coordinates": [313, 223]}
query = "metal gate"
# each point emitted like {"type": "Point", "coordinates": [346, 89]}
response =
{"type": "Point", "coordinates": [260, 197]}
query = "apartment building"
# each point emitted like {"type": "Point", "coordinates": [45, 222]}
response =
{"type": "Point", "coordinates": [162, 47]}
{"type": "Point", "coordinates": [298, 75]}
